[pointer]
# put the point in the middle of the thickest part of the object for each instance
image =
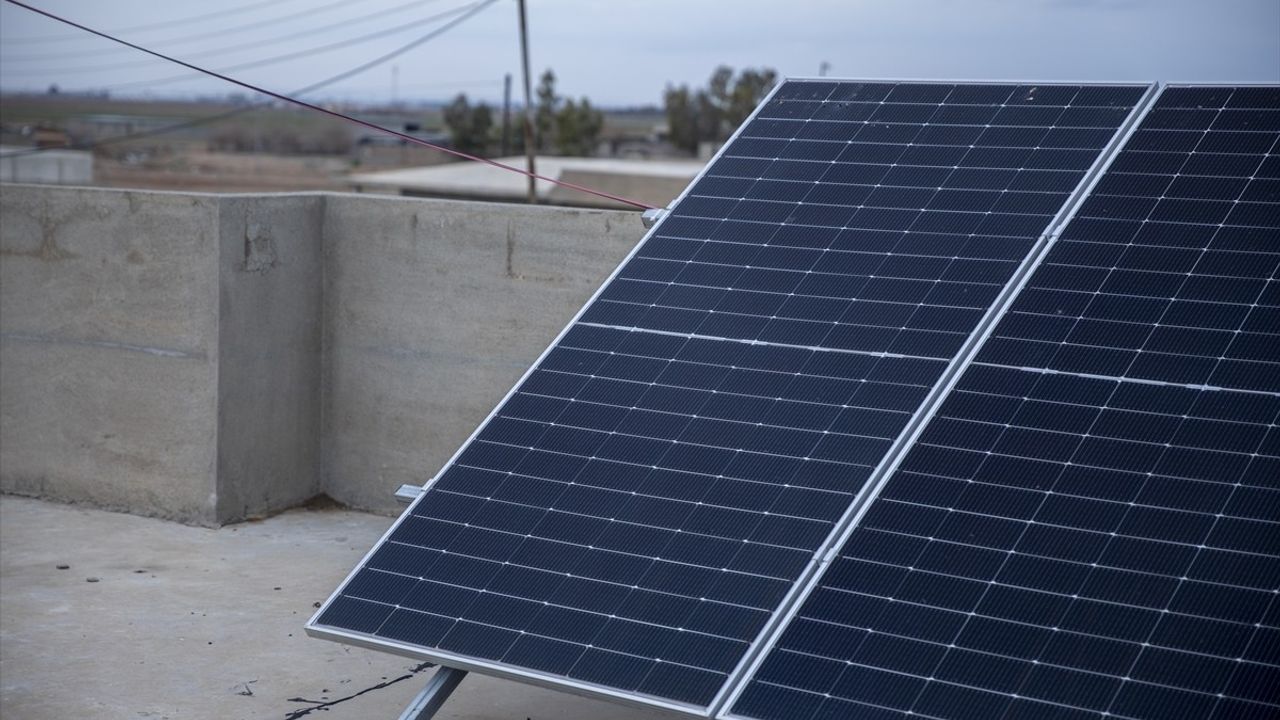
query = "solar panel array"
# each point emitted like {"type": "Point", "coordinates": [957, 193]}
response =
{"type": "Point", "coordinates": [661, 485]}
{"type": "Point", "coordinates": [1090, 524]}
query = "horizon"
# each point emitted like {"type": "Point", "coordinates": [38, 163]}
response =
{"type": "Point", "coordinates": [623, 56]}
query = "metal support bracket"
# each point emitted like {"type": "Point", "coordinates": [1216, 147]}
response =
{"type": "Point", "coordinates": [408, 493]}
{"type": "Point", "coordinates": [651, 217]}
{"type": "Point", "coordinates": [433, 696]}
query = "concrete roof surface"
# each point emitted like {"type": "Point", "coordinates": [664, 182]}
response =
{"type": "Point", "coordinates": [188, 623]}
{"type": "Point", "coordinates": [478, 179]}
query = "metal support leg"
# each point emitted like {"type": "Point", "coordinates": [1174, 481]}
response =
{"type": "Point", "coordinates": [438, 689]}
{"type": "Point", "coordinates": [445, 680]}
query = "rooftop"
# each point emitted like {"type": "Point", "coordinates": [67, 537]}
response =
{"type": "Point", "coordinates": [657, 182]}
{"type": "Point", "coordinates": [200, 623]}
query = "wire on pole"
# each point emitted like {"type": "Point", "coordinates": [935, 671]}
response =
{"type": "Point", "coordinates": [533, 176]}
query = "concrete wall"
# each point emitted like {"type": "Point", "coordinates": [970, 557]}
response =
{"type": "Point", "coordinates": [433, 309]}
{"type": "Point", "coordinates": [210, 358]}
{"type": "Point", "coordinates": [269, 352]}
{"type": "Point", "coordinates": [108, 349]}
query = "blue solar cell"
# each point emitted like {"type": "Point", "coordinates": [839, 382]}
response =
{"type": "Point", "coordinates": [1092, 512]}
{"type": "Point", "coordinates": [635, 512]}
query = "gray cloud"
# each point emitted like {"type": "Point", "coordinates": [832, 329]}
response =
{"type": "Point", "coordinates": [626, 52]}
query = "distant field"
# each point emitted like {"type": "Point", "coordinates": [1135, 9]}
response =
{"type": "Point", "coordinates": [52, 108]}
{"type": "Point", "coordinates": [71, 112]}
{"type": "Point", "coordinates": [95, 119]}
{"type": "Point", "coordinates": [227, 172]}
{"type": "Point", "coordinates": [259, 149]}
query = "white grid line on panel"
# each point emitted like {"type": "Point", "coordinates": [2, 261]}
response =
{"type": "Point", "coordinates": [1194, 547]}
{"type": "Point", "coordinates": [545, 679]}
{"type": "Point", "coordinates": [1225, 502]}
{"type": "Point", "coordinates": [889, 463]}
{"type": "Point", "coordinates": [759, 343]}
{"type": "Point", "coordinates": [1038, 591]}
{"type": "Point", "coordinates": [548, 603]}
{"type": "Point", "coordinates": [1031, 522]}
{"type": "Point", "coordinates": [692, 503]}
{"type": "Point", "coordinates": [1137, 381]}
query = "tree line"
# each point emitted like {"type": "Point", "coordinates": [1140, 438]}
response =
{"type": "Point", "coordinates": [712, 113]}
{"type": "Point", "coordinates": [563, 126]}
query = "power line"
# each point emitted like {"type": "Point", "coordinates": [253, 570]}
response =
{"type": "Point", "coordinates": [150, 26]}
{"type": "Point", "coordinates": [297, 54]}
{"type": "Point", "coordinates": [428, 84]}
{"type": "Point", "coordinates": [334, 113]}
{"type": "Point", "coordinates": [257, 24]}
{"type": "Point", "coordinates": [288, 37]}
{"type": "Point", "coordinates": [197, 122]}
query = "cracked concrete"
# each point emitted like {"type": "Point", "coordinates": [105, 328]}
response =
{"type": "Point", "coordinates": [248, 352]}
{"type": "Point", "coordinates": [188, 623]}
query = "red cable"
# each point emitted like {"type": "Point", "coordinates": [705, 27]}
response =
{"type": "Point", "coordinates": [334, 113]}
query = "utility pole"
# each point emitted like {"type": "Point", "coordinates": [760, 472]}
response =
{"type": "Point", "coordinates": [506, 115]}
{"type": "Point", "coordinates": [529, 149]}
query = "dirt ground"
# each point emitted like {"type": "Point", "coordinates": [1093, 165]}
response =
{"type": "Point", "coordinates": [203, 171]}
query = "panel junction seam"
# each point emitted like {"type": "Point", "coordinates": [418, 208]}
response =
{"type": "Point", "coordinates": [808, 580]}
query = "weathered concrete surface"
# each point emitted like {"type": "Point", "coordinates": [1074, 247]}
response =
{"type": "Point", "coordinates": [433, 310]}
{"type": "Point", "coordinates": [211, 628]}
{"type": "Point", "coordinates": [108, 349]}
{"type": "Point", "coordinates": [269, 353]}
{"type": "Point", "coordinates": [209, 358]}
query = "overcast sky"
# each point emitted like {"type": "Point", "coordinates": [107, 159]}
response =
{"type": "Point", "coordinates": [623, 52]}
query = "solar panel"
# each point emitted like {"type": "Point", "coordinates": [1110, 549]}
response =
{"type": "Point", "coordinates": [633, 515]}
{"type": "Point", "coordinates": [1089, 525]}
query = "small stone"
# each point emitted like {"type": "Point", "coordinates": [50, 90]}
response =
{"type": "Point", "coordinates": [275, 588]}
{"type": "Point", "coordinates": [63, 567]}
{"type": "Point", "coordinates": [91, 579]}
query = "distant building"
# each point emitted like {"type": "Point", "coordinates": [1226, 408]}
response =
{"type": "Point", "coordinates": [48, 167]}
{"type": "Point", "coordinates": [46, 137]}
{"type": "Point", "coordinates": [653, 182]}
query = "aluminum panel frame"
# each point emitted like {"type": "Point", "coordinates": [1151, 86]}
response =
{"type": "Point", "coordinates": [313, 629]}
{"type": "Point", "coordinates": [863, 501]}
{"type": "Point", "coordinates": [808, 578]}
